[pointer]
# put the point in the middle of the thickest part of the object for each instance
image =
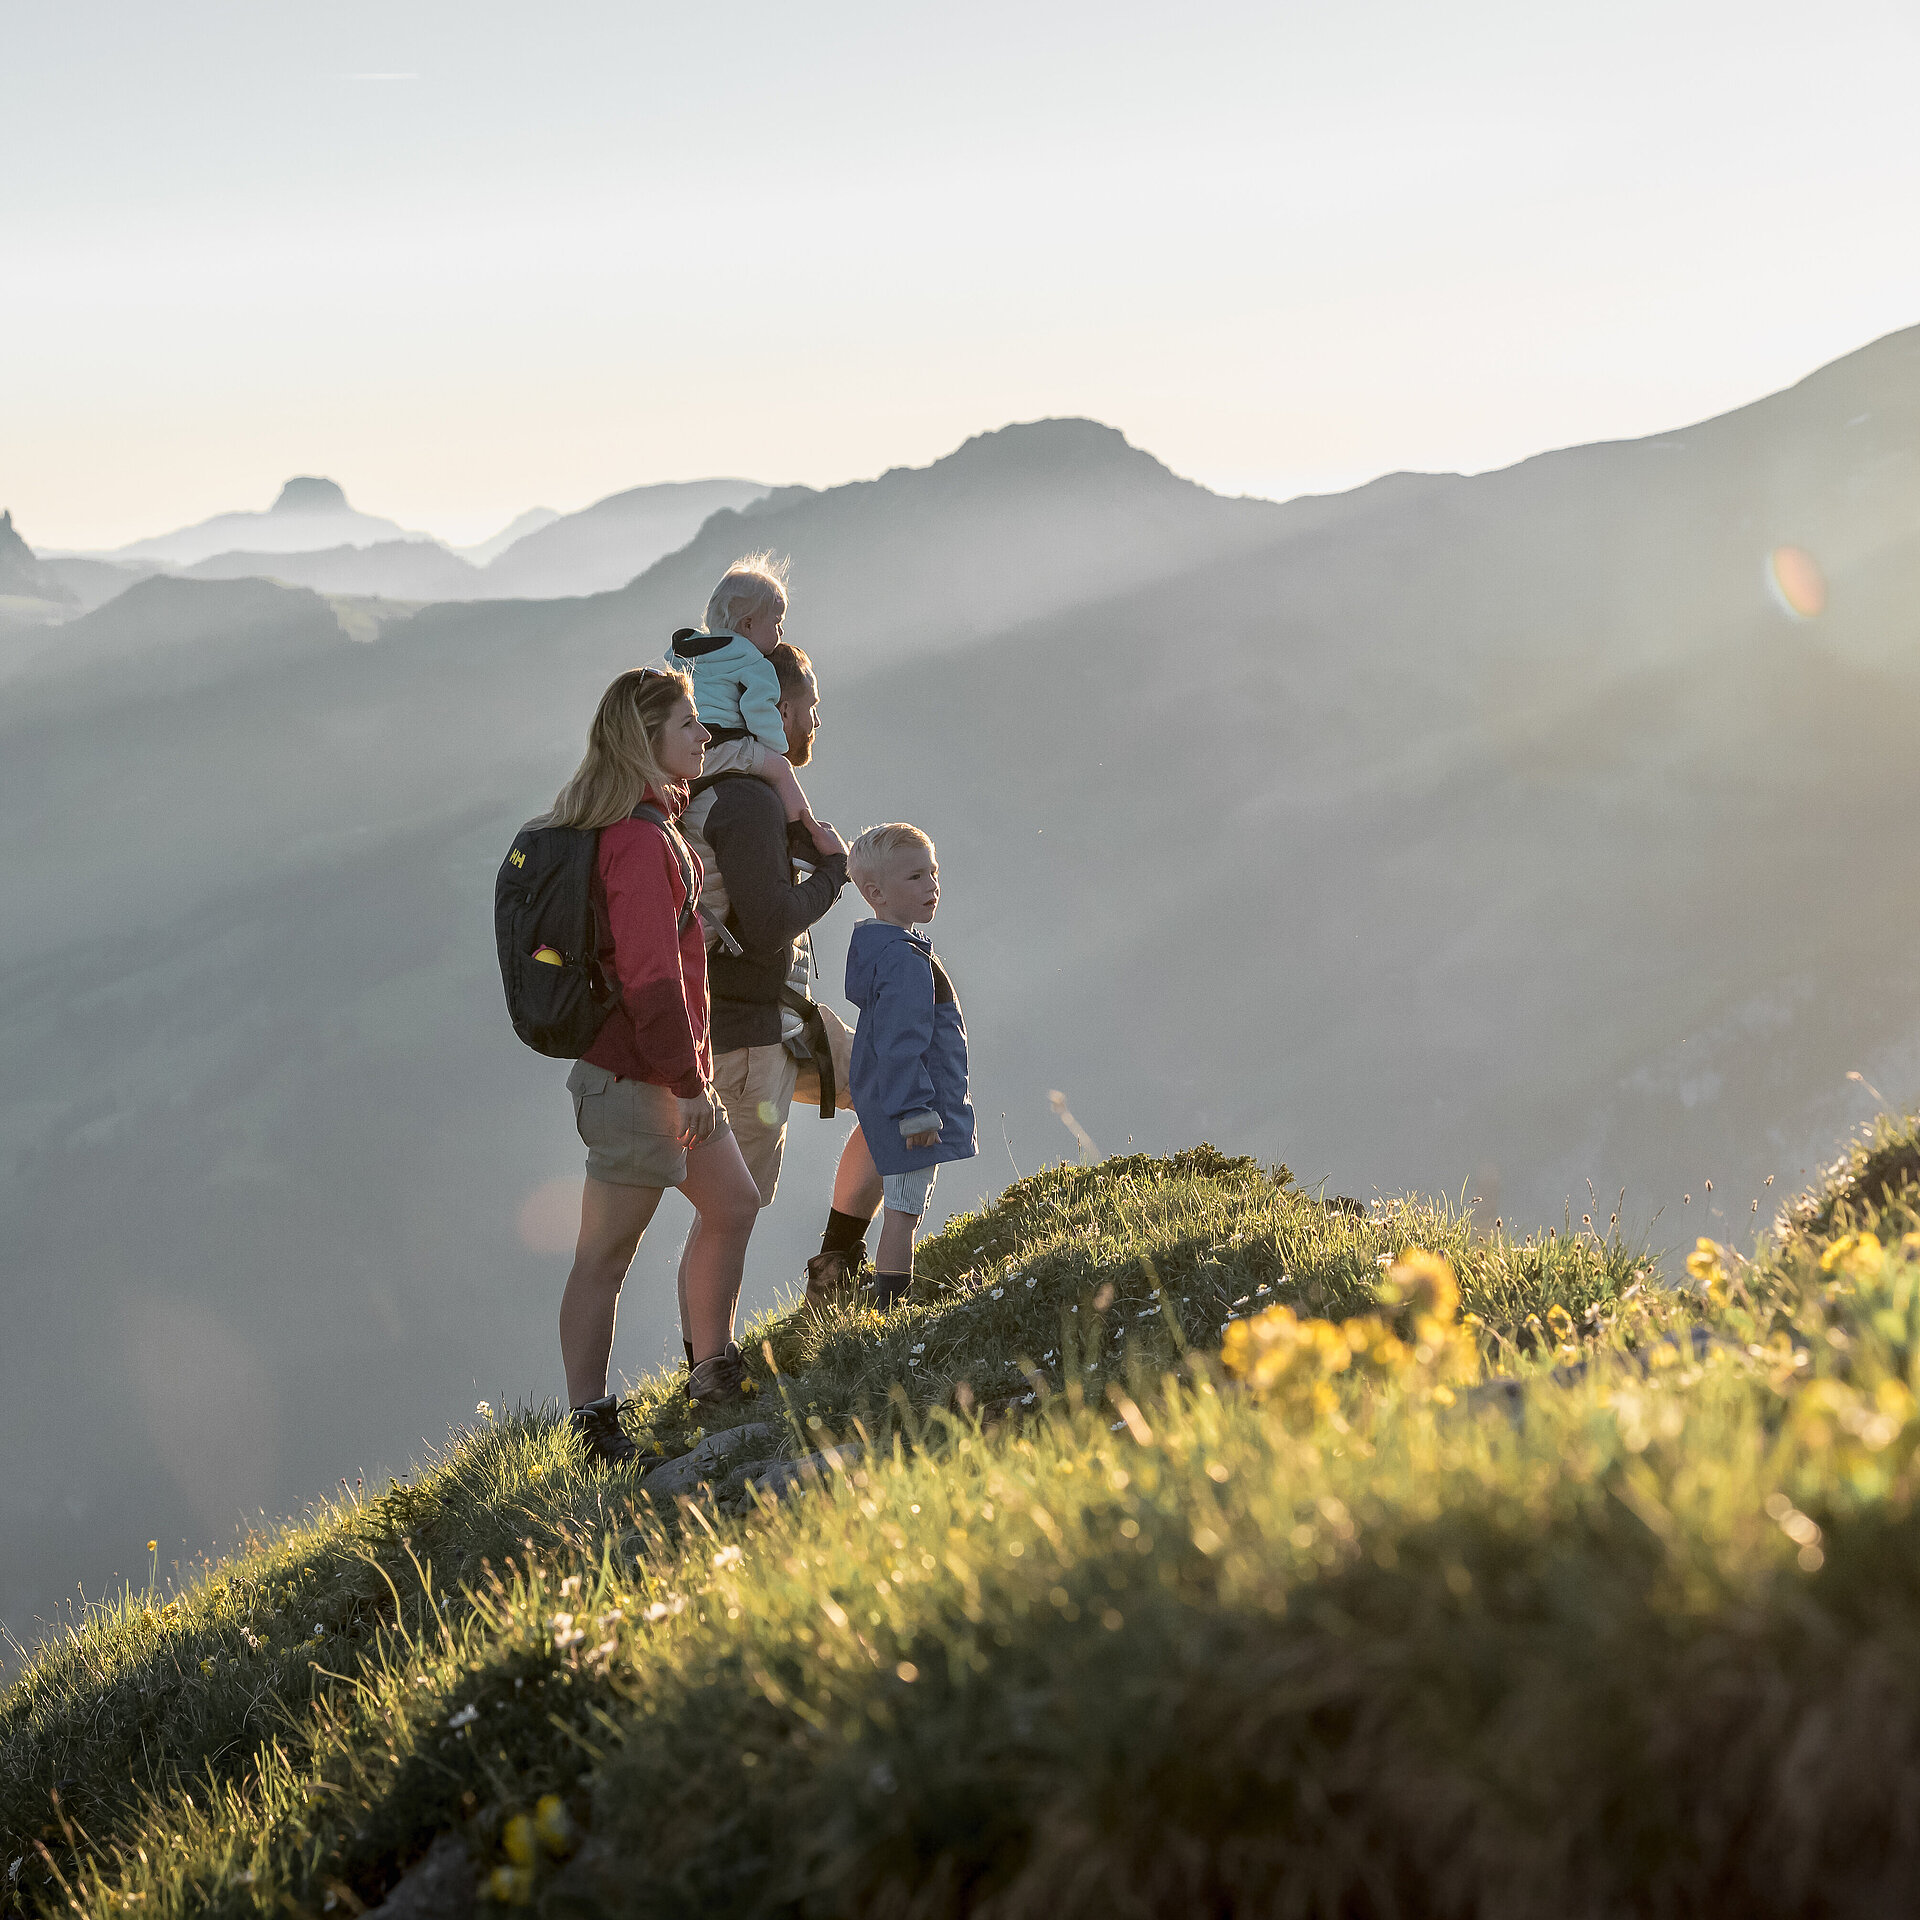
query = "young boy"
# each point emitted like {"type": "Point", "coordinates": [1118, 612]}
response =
{"type": "Point", "coordinates": [909, 1069]}
{"type": "Point", "coordinates": [736, 691]}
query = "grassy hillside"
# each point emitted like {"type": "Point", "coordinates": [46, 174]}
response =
{"type": "Point", "coordinates": [1508, 848]}
{"type": "Point", "coordinates": [1186, 1546]}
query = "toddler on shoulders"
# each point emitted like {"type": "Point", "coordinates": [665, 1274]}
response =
{"type": "Point", "coordinates": [736, 691]}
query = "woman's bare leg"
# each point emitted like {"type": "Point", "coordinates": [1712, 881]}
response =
{"type": "Point", "coordinates": [726, 1204]}
{"type": "Point", "coordinates": [612, 1219]}
{"type": "Point", "coordinates": [856, 1181]}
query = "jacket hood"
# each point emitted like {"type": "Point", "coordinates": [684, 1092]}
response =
{"type": "Point", "coordinates": [689, 643]}
{"type": "Point", "coordinates": [867, 953]}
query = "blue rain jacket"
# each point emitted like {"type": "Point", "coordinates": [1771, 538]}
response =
{"type": "Point", "coordinates": [909, 1049]}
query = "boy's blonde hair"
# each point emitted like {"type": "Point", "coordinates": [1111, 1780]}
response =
{"type": "Point", "coordinates": [755, 583]}
{"type": "Point", "coordinates": [878, 845]}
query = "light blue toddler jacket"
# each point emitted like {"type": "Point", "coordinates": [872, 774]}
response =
{"type": "Point", "coordinates": [734, 684]}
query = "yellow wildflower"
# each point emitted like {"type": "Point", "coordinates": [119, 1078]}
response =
{"type": "Point", "coordinates": [511, 1886]}
{"type": "Point", "coordinates": [554, 1824]}
{"type": "Point", "coordinates": [1425, 1282]}
{"type": "Point", "coordinates": [1705, 1266]}
{"type": "Point", "coordinates": [1851, 1253]}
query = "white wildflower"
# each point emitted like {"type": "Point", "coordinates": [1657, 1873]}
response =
{"type": "Point", "coordinates": [728, 1557]}
{"type": "Point", "coordinates": [464, 1718]}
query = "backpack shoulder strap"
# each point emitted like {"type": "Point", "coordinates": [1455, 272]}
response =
{"type": "Point", "coordinates": [682, 853]}
{"type": "Point", "coordinates": [707, 782]}
{"type": "Point", "coordinates": [813, 1036]}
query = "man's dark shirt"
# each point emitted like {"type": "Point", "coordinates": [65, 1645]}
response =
{"type": "Point", "coordinates": [747, 829]}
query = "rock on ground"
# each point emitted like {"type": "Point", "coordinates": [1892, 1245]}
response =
{"type": "Point", "coordinates": [782, 1476]}
{"type": "Point", "coordinates": [438, 1887]}
{"type": "Point", "coordinates": [705, 1461]}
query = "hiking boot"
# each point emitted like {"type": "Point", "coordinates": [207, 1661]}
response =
{"type": "Point", "coordinates": [721, 1382]}
{"type": "Point", "coordinates": [598, 1425]}
{"type": "Point", "coordinates": [834, 1277]}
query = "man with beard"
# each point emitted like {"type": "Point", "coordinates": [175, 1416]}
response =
{"type": "Point", "coordinates": [760, 908]}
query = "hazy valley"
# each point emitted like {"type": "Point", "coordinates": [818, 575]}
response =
{"type": "Point", "coordinates": [1484, 830]}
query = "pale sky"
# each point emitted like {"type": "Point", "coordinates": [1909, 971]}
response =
{"type": "Point", "coordinates": [471, 259]}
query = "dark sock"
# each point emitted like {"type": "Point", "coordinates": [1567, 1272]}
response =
{"type": "Point", "coordinates": [688, 1344]}
{"type": "Point", "coordinates": [889, 1289]}
{"type": "Point", "coordinates": [845, 1231]}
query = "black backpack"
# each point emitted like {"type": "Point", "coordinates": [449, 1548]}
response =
{"type": "Point", "coordinates": [545, 900]}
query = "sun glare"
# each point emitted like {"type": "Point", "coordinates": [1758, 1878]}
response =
{"type": "Point", "coordinates": [1797, 582]}
{"type": "Point", "coordinates": [549, 1217]}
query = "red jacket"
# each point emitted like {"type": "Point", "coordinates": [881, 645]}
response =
{"type": "Point", "coordinates": [659, 1030]}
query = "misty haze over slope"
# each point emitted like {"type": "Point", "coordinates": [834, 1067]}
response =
{"type": "Point", "coordinates": [1450, 830]}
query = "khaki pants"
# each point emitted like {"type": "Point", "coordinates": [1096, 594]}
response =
{"type": "Point", "coordinates": [755, 1085]}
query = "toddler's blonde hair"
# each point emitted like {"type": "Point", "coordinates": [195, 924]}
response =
{"type": "Point", "coordinates": [878, 845]}
{"type": "Point", "coordinates": [755, 583]}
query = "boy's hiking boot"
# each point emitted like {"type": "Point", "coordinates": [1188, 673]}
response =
{"type": "Point", "coordinates": [598, 1425]}
{"type": "Point", "coordinates": [717, 1384]}
{"type": "Point", "coordinates": [833, 1278]}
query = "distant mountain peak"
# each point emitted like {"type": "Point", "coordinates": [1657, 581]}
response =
{"type": "Point", "coordinates": [22, 571]}
{"type": "Point", "coordinates": [309, 494]}
{"type": "Point", "coordinates": [1055, 448]}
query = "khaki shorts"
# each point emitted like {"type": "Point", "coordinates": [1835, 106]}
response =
{"type": "Point", "coordinates": [630, 1128]}
{"type": "Point", "coordinates": [755, 1084]}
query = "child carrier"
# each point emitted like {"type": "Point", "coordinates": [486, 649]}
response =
{"type": "Point", "coordinates": [803, 1027]}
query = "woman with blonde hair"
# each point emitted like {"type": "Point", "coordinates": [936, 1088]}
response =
{"type": "Point", "coordinates": [643, 1094]}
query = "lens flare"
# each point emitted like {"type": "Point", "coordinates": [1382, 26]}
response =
{"type": "Point", "coordinates": [549, 1218]}
{"type": "Point", "coordinates": [1797, 582]}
